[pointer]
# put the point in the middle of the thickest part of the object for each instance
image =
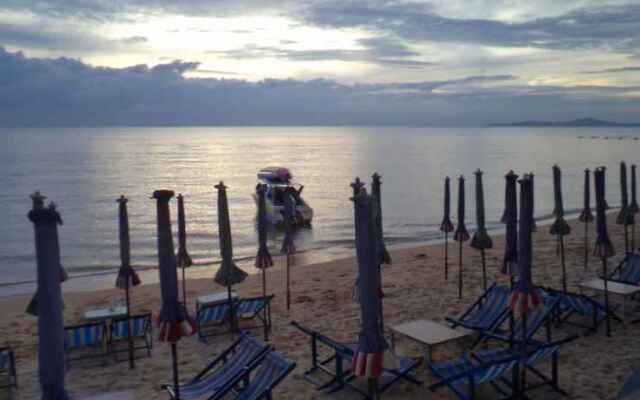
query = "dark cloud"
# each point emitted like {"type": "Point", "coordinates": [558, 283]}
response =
{"type": "Point", "coordinates": [45, 36]}
{"type": "Point", "coordinates": [613, 70]}
{"type": "Point", "coordinates": [378, 50]}
{"type": "Point", "coordinates": [611, 27]}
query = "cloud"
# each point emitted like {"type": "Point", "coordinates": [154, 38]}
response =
{"type": "Point", "coordinates": [615, 27]}
{"type": "Point", "coordinates": [64, 91]}
{"type": "Point", "coordinates": [377, 50]}
{"type": "Point", "coordinates": [613, 70]}
{"type": "Point", "coordinates": [134, 40]}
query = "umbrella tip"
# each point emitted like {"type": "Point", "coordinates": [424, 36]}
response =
{"type": "Point", "coordinates": [122, 199]}
{"type": "Point", "coordinates": [162, 194]}
{"type": "Point", "coordinates": [38, 200]}
{"type": "Point", "coordinates": [220, 186]}
{"type": "Point", "coordinates": [375, 176]}
{"type": "Point", "coordinates": [478, 171]}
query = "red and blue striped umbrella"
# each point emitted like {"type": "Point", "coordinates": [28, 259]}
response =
{"type": "Point", "coordinates": [524, 298]}
{"type": "Point", "coordinates": [446, 226]}
{"type": "Point", "coordinates": [368, 358]}
{"type": "Point", "coordinates": [461, 235]}
{"type": "Point", "coordinates": [51, 355]}
{"type": "Point", "coordinates": [183, 259]}
{"type": "Point", "coordinates": [481, 239]}
{"type": "Point", "coordinates": [127, 276]}
{"type": "Point", "coordinates": [510, 259]}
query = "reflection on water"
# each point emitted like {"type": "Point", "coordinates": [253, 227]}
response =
{"type": "Point", "coordinates": [84, 170]}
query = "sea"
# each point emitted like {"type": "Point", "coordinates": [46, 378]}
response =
{"type": "Point", "coordinates": [84, 170]}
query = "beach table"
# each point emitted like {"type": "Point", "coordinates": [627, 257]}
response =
{"type": "Point", "coordinates": [214, 298]}
{"type": "Point", "coordinates": [102, 314]}
{"type": "Point", "coordinates": [621, 289]}
{"type": "Point", "coordinates": [427, 333]}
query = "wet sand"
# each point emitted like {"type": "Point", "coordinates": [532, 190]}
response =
{"type": "Point", "coordinates": [592, 367]}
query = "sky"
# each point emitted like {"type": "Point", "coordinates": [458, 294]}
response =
{"type": "Point", "coordinates": [317, 62]}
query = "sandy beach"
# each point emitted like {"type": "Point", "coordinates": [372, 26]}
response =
{"type": "Point", "coordinates": [592, 367]}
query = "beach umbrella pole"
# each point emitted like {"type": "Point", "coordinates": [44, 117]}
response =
{"type": "Point", "coordinates": [446, 256]}
{"type": "Point", "coordinates": [586, 245]}
{"type": "Point", "coordinates": [264, 311]}
{"type": "Point", "coordinates": [460, 270]}
{"type": "Point", "coordinates": [174, 357]}
{"type": "Point", "coordinates": [626, 239]}
{"type": "Point", "coordinates": [606, 297]}
{"type": "Point", "coordinates": [288, 282]}
{"type": "Point", "coordinates": [184, 287]}
{"type": "Point", "coordinates": [562, 262]}
{"type": "Point", "coordinates": [129, 336]}
{"type": "Point", "coordinates": [484, 269]}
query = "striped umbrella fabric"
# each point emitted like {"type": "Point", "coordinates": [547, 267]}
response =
{"type": "Point", "coordinates": [127, 276]}
{"type": "Point", "coordinates": [173, 320]}
{"type": "Point", "coordinates": [368, 358]}
{"type": "Point", "coordinates": [446, 226]}
{"type": "Point", "coordinates": [559, 227]}
{"type": "Point", "coordinates": [51, 358]}
{"type": "Point", "coordinates": [461, 235]}
{"type": "Point", "coordinates": [183, 260]}
{"type": "Point", "coordinates": [383, 254]}
{"type": "Point", "coordinates": [524, 298]}
{"type": "Point", "coordinates": [586, 216]}
{"type": "Point", "coordinates": [481, 239]}
{"type": "Point", "coordinates": [510, 259]}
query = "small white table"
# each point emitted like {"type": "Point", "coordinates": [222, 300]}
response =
{"type": "Point", "coordinates": [214, 298]}
{"type": "Point", "coordinates": [427, 333]}
{"type": "Point", "coordinates": [621, 289]}
{"type": "Point", "coordinates": [102, 314]}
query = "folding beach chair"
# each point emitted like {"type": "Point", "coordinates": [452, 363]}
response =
{"type": "Point", "coordinates": [8, 368]}
{"type": "Point", "coordinates": [267, 374]}
{"type": "Point", "coordinates": [628, 271]}
{"type": "Point", "coordinates": [254, 308]}
{"type": "Point", "coordinates": [631, 388]}
{"type": "Point", "coordinates": [572, 304]}
{"type": "Point", "coordinates": [87, 341]}
{"type": "Point", "coordinates": [235, 360]}
{"type": "Point", "coordinates": [141, 332]}
{"type": "Point", "coordinates": [210, 317]}
{"type": "Point", "coordinates": [340, 357]}
{"type": "Point", "coordinates": [487, 312]}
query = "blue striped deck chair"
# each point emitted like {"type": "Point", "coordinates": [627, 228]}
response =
{"type": "Point", "coordinates": [534, 355]}
{"type": "Point", "coordinates": [259, 380]}
{"type": "Point", "coordinates": [463, 375]}
{"type": "Point", "coordinates": [631, 388]}
{"type": "Point", "coordinates": [487, 312]}
{"type": "Point", "coordinates": [210, 317]}
{"type": "Point", "coordinates": [254, 308]}
{"type": "Point", "coordinates": [8, 368]}
{"type": "Point", "coordinates": [236, 359]}
{"type": "Point", "coordinates": [141, 332]}
{"type": "Point", "coordinates": [628, 271]}
{"type": "Point", "coordinates": [86, 340]}
{"type": "Point", "coordinates": [572, 304]}
{"type": "Point", "coordinates": [337, 365]}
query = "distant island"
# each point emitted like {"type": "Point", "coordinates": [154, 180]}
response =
{"type": "Point", "coordinates": [582, 122]}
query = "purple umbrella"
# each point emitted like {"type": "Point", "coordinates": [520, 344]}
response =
{"type": "Point", "coordinates": [127, 276]}
{"type": "Point", "coordinates": [288, 245]}
{"type": "Point", "coordinates": [560, 227]}
{"type": "Point", "coordinates": [586, 216]}
{"type": "Point", "coordinates": [383, 255]}
{"type": "Point", "coordinates": [510, 260]}
{"type": "Point", "coordinates": [263, 258]}
{"type": "Point", "coordinates": [183, 260]}
{"type": "Point", "coordinates": [481, 239]}
{"type": "Point", "coordinates": [173, 320]}
{"type": "Point", "coordinates": [446, 226]}
{"type": "Point", "coordinates": [625, 216]}
{"type": "Point", "coordinates": [229, 274]}
{"type": "Point", "coordinates": [461, 235]}
{"type": "Point", "coordinates": [633, 207]}
{"type": "Point", "coordinates": [368, 358]}
{"type": "Point", "coordinates": [603, 247]}
{"type": "Point", "coordinates": [51, 363]}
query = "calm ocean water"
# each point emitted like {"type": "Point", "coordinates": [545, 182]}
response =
{"type": "Point", "coordinates": [84, 170]}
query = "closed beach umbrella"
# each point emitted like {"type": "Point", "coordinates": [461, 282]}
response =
{"type": "Point", "coordinates": [534, 227]}
{"type": "Point", "coordinates": [368, 358]}
{"type": "Point", "coordinates": [633, 207]}
{"type": "Point", "coordinates": [51, 358]}
{"type": "Point", "coordinates": [127, 276]}
{"type": "Point", "coordinates": [263, 258]}
{"type": "Point", "coordinates": [461, 235]}
{"type": "Point", "coordinates": [560, 227]}
{"type": "Point", "coordinates": [383, 255]}
{"type": "Point", "coordinates": [182, 257]}
{"type": "Point", "coordinates": [603, 247]}
{"type": "Point", "coordinates": [586, 215]}
{"type": "Point", "coordinates": [481, 239]}
{"type": "Point", "coordinates": [510, 260]}
{"type": "Point", "coordinates": [229, 274]}
{"type": "Point", "coordinates": [357, 186]}
{"type": "Point", "coordinates": [288, 245]}
{"type": "Point", "coordinates": [625, 216]}
{"type": "Point", "coordinates": [173, 320]}
{"type": "Point", "coordinates": [446, 226]}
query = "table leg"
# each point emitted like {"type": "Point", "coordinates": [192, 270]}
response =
{"type": "Point", "coordinates": [428, 353]}
{"type": "Point", "coordinates": [393, 343]}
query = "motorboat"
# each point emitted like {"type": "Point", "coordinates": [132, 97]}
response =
{"type": "Point", "coordinates": [279, 183]}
